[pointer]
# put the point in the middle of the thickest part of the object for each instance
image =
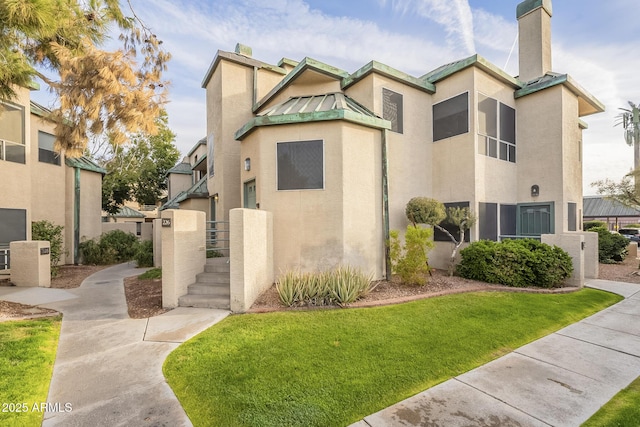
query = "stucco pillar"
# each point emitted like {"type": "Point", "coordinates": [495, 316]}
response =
{"type": "Point", "coordinates": [251, 256]}
{"type": "Point", "coordinates": [157, 242]}
{"type": "Point", "coordinates": [183, 252]}
{"type": "Point", "coordinates": [31, 263]}
{"type": "Point", "coordinates": [573, 244]}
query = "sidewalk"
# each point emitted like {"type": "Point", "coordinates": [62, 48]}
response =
{"type": "Point", "coordinates": [108, 366]}
{"type": "Point", "coordinates": [559, 380]}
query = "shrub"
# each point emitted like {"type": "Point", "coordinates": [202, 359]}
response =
{"type": "Point", "coordinates": [144, 254]}
{"type": "Point", "coordinates": [111, 248]}
{"type": "Point", "coordinates": [154, 273]}
{"type": "Point", "coordinates": [516, 263]}
{"type": "Point", "coordinates": [612, 247]}
{"type": "Point", "coordinates": [588, 225]}
{"type": "Point", "coordinates": [410, 261]}
{"type": "Point", "coordinates": [341, 286]}
{"type": "Point", "coordinates": [46, 230]}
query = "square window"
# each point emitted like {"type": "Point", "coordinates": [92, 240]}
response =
{"type": "Point", "coordinates": [392, 109]}
{"type": "Point", "coordinates": [46, 153]}
{"type": "Point", "coordinates": [300, 165]}
{"type": "Point", "coordinates": [451, 117]}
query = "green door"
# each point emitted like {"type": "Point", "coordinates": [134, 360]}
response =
{"type": "Point", "coordinates": [250, 194]}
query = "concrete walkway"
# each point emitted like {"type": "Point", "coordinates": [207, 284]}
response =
{"type": "Point", "coordinates": [108, 366]}
{"type": "Point", "coordinates": [559, 380]}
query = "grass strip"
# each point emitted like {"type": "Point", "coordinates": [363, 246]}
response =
{"type": "Point", "coordinates": [333, 367]}
{"type": "Point", "coordinates": [621, 411]}
{"type": "Point", "coordinates": [27, 354]}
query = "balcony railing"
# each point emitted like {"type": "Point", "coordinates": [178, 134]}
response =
{"type": "Point", "coordinates": [5, 259]}
{"type": "Point", "coordinates": [217, 238]}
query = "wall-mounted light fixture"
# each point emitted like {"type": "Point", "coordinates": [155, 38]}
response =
{"type": "Point", "coordinates": [535, 191]}
{"type": "Point", "coordinates": [215, 197]}
{"type": "Point", "coordinates": [247, 164]}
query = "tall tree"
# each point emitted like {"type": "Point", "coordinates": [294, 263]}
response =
{"type": "Point", "coordinates": [98, 91]}
{"type": "Point", "coordinates": [138, 171]}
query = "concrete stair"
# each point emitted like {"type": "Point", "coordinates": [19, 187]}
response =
{"type": "Point", "coordinates": [211, 289]}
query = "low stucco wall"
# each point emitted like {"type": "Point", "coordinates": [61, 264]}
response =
{"type": "Point", "coordinates": [184, 254]}
{"type": "Point", "coordinates": [251, 256]}
{"type": "Point", "coordinates": [573, 244]}
{"type": "Point", "coordinates": [31, 263]}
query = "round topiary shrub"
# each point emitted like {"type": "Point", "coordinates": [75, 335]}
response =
{"type": "Point", "coordinates": [612, 247]}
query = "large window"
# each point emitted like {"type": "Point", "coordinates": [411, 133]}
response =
{"type": "Point", "coordinates": [451, 117]}
{"type": "Point", "coordinates": [497, 129]}
{"type": "Point", "coordinates": [13, 225]}
{"type": "Point", "coordinates": [392, 109]}
{"type": "Point", "coordinates": [46, 154]}
{"type": "Point", "coordinates": [488, 221]}
{"type": "Point", "coordinates": [300, 165]}
{"type": "Point", "coordinates": [12, 133]}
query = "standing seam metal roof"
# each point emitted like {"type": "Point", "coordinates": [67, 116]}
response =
{"type": "Point", "coordinates": [317, 103]}
{"type": "Point", "coordinates": [602, 207]}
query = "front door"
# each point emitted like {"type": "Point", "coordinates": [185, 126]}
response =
{"type": "Point", "coordinates": [250, 194]}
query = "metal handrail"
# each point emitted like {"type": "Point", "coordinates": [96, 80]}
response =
{"type": "Point", "coordinates": [5, 258]}
{"type": "Point", "coordinates": [213, 239]}
{"type": "Point", "coordinates": [516, 237]}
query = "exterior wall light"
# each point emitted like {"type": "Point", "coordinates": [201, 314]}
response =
{"type": "Point", "coordinates": [215, 197]}
{"type": "Point", "coordinates": [535, 191]}
{"type": "Point", "coordinates": [247, 164]}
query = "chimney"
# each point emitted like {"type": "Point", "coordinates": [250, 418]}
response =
{"type": "Point", "coordinates": [534, 40]}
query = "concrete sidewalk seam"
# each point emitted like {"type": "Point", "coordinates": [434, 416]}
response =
{"type": "Point", "coordinates": [499, 400]}
{"type": "Point", "coordinates": [610, 329]}
{"type": "Point", "coordinates": [601, 345]}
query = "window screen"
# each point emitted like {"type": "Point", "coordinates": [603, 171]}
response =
{"type": "Point", "coordinates": [46, 154]}
{"type": "Point", "coordinates": [488, 221]}
{"type": "Point", "coordinates": [508, 220]}
{"type": "Point", "coordinates": [440, 236]}
{"type": "Point", "coordinates": [451, 117]}
{"type": "Point", "coordinates": [535, 219]}
{"type": "Point", "coordinates": [571, 213]}
{"type": "Point", "coordinates": [300, 165]}
{"type": "Point", "coordinates": [392, 109]}
{"type": "Point", "coordinates": [13, 225]}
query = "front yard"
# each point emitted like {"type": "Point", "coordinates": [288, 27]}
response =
{"type": "Point", "coordinates": [333, 367]}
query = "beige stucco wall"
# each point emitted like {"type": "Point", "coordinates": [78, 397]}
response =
{"type": "Point", "coordinates": [178, 182]}
{"type": "Point", "coordinates": [29, 265]}
{"type": "Point", "coordinates": [18, 194]}
{"type": "Point", "coordinates": [534, 37]}
{"type": "Point", "coordinates": [310, 226]}
{"type": "Point", "coordinates": [251, 256]}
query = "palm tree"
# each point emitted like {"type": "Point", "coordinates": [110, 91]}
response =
{"type": "Point", "coordinates": [630, 121]}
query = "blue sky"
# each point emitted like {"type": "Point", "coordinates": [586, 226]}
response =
{"type": "Point", "coordinates": [596, 42]}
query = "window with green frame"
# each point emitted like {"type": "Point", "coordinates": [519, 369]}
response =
{"type": "Point", "coordinates": [12, 148]}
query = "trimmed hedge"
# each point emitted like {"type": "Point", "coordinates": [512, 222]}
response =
{"type": "Point", "coordinates": [612, 247]}
{"type": "Point", "coordinates": [517, 263]}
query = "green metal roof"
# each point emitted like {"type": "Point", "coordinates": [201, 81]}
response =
{"type": "Point", "coordinates": [392, 73]}
{"type": "Point", "coordinates": [602, 207]}
{"type": "Point", "coordinates": [84, 163]}
{"type": "Point", "coordinates": [127, 212]}
{"type": "Point", "coordinates": [531, 5]}
{"type": "Point", "coordinates": [314, 108]}
{"type": "Point", "coordinates": [199, 162]}
{"type": "Point", "coordinates": [39, 110]}
{"type": "Point", "coordinates": [447, 70]}
{"type": "Point", "coordinates": [307, 64]}
{"type": "Point", "coordinates": [203, 141]}
{"type": "Point", "coordinates": [197, 191]}
{"type": "Point", "coordinates": [588, 103]}
{"type": "Point", "coordinates": [183, 168]}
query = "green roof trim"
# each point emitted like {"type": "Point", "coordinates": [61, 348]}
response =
{"type": "Point", "coordinates": [582, 124]}
{"type": "Point", "coordinates": [476, 60]}
{"type": "Point", "coordinates": [287, 61]}
{"type": "Point", "coordinates": [84, 163]}
{"type": "Point", "coordinates": [39, 110]}
{"type": "Point", "coordinates": [528, 6]}
{"type": "Point", "coordinates": [197, 191]}
{"type": "Point", "coordinates": [306, 64]}
{"type": "Point", "coordinates": [199, 162]}
{"type": "Point", "coordinates": [238, 59]}
{"type": "Point", "coordinates": [392, 73]}
{"type": "Point", "coordinates": [203, 141]}
{"type": "Point", "coordinates": [317, 116]}
{"type": "Point", "coordinates": [553, 79]}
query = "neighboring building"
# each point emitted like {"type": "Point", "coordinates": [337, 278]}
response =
{"type": "Point", "coordinates": [39, 184]}
{"type": "Point", "coordinates": [336, 156]}
{"type": "Point", "coordinates": [187, 182]}
{"type": "Point", "coordinates": [615, 214]}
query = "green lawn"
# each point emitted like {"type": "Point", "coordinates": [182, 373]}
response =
{"type": "Point", "coordinates": [27, 353]}
{"type": "Point", "coordinates": [621, 411]}
{"type": "Point", "coordinates": [333, 367]}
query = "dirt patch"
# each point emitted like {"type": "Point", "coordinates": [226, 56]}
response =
{"type": "Point", "coordinates": [626, 271]}
{"type": "Point", "coordinates": [144, 297]}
